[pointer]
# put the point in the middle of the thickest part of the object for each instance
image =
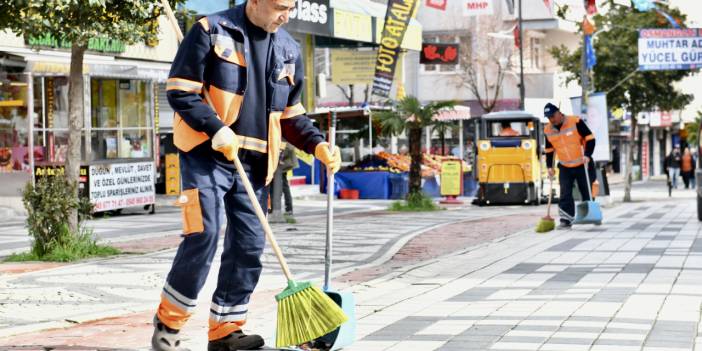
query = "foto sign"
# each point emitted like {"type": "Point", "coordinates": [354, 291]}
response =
{"type": "Point", "coordinates": [670, 49]}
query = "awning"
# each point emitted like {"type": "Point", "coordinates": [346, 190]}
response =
{"type": "Point", "coordinates": [363, 20]}
{"type": "Point", "coordinates": [455, 113]}
{"type": "Point", "coordinates": [51, 62]}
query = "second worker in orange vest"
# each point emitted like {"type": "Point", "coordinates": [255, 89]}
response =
{"type": "Point", "coordinates": [573, 143]}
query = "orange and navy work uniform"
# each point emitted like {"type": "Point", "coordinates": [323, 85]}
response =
{"type": "Point", "coordinates": [570, 142]}
{"type": "Point", "coordinates": [255, 80]}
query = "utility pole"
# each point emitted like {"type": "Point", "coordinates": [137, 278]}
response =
{"type": "Point", "coordinates": [584, 79]}
{"type": "Point", "coordinates": [521, 60]}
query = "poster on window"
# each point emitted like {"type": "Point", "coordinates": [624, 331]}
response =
{"type": "Point", "coordinates": [114, 186]}
{"type": "Point", "coordinates": [598, 123]}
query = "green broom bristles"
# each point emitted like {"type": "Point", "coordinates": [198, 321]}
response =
{"type": "Point", "coordinates": [545, 225]}
{"type": "Point", "coordinates": [305, 313]}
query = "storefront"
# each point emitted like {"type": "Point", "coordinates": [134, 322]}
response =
{"type": "Point", "coordinates": [120, 119]}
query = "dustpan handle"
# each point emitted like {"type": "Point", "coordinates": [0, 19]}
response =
{"type": "Point", "coordinates": [330, 205]}
{"type": "Point", "coordinates": [587, 177]}
{"type": "Point", "coordinates": [239, 168]}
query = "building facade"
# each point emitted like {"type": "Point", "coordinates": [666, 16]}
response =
{"type": "Point", "coordinates": [124, 104]}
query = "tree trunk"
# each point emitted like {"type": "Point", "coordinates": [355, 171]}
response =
{"type": "Point", "coordinates": [442, 137]}
{"type": "Point", "coordinates": [415, 149]}
{"type": "Point", "coordinates": [75, 125]}
{"type": "Point", "coordinates": [630, 160]}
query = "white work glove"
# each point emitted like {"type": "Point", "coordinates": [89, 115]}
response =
{"type": "Point", "coordinates": [226, 142]}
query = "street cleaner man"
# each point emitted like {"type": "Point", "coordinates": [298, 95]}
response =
{"type": "Point", "coordinates": [253, 72]}
{"type": "Point", "coordinates": [573, 143]}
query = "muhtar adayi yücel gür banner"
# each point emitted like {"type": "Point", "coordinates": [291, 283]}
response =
{"type": "Point", "coordinates": [670, 49]}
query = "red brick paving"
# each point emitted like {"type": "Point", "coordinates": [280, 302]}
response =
{"type": "Point", "coordinates": [134, 331]}
{"type": "Point", "coordinates": [447, 239]}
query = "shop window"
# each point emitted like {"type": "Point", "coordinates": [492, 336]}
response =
{"type": "Point", "coordinates": [51, 119]}
{"type": "Point", "coordinates": [509, 129]}
{"type": "Point", "coordinates": [121, 121]}
{"type": "Point", "coordinates": [13, 122]}
{"type": "Point", "coordinates": [535, 53]}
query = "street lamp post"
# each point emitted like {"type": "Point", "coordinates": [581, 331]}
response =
{"type": "Point", "coordinates": [521, 60]}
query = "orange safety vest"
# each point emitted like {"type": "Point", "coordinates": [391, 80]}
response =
{"type": "Point", "coordinates": [567, 142]}
{"type": "Point", "coordinates": [508, 132]}
{"type": "Point", "coordinates": [686, 163]}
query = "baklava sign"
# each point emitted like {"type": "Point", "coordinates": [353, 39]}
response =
{"type": "Point", "coordinates": [439, 54]}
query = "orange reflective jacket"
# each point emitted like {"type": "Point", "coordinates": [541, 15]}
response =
{"type": "Point", "coordinates": [214, 57]}
{"type": "Point", "coordinates": [567, 142]}
{"type": "Point", "coordinates": [686, 163]}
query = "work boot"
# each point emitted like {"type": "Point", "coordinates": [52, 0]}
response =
{"type": "Point", "coordinates": [165, 338]}
{"type": "Point", "coordinates": [564, 225]}
{"type": "Point", "coordinates": [236, 341]}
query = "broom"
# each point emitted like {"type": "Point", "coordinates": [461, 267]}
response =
{"type": "Point", "coordinates": [547, 224]}
{"type": "Point", "coordinates": [305, 312]}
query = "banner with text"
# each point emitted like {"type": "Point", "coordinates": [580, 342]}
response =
{"type": "Point", "coordinates": [477, 7]}
{"type": "Point", "coordinates": [120, 185]}
{"type": "Point", "coordinates": [397, 19]}
{"type": "Point", "coordinates": [352, 66]}
{"type": "Point", "coordinates": [670, 49]}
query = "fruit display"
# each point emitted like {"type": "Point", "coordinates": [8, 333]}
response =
{"type": "Point", "coordinates": [395, 163]}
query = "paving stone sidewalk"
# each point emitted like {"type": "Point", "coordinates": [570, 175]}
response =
{"type": "Point", "coordinates": [630, 284]}
{"type": "Point", "coordinates": [67, 295]}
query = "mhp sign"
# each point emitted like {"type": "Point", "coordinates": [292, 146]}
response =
{"type": "Point", "coordinates": [670, 49]}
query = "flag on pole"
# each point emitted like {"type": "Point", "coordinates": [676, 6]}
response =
{"type": "Point", "coordinates": [591, 7]}
{"type": "Point", "coordinates": [643, 5]}
{"type": "Point", "coordinates": [510, 6]}
{"type": "Point", "coordinates": [670, 19]}
{"type": "Point", "coordinates": [590, 57]}
{"type": "Point", "coordinates": [515, 31]}
{"type": "Point", "coordinates": [588, 28]}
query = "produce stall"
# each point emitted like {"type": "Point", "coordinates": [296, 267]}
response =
{"type": "Point", "coordinates": [386, 176]}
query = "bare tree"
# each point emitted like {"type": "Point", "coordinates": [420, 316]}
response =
{"type": "Point", "coordinates": [485, 60]}
{"type": "Point", "coordinates": [348, 92]}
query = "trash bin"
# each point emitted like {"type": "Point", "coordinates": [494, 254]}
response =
{"type": "Point", "coordinates": [399, 185]}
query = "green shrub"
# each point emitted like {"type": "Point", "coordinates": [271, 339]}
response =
{"type": "Point", "coordinates": [75, 248]}
{"type": "Point", "coordinates": [416, 202]}
{"type": "Point", "coordinates": [48, 204]}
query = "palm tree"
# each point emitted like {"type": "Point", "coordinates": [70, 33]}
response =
{"type": "Point", "coordinates": [409, 114]}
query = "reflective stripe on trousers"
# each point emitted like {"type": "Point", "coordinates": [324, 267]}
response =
{"type": "Point", "coordinates": [220, 192]}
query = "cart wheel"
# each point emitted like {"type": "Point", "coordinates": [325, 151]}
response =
{"type": "Point", "coordinates": [151, 208]}
{"type": "Point", "coordinates": [598, 223]}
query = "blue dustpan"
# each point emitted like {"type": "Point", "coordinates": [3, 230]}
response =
{"type": "Point", "coordinates": [345, 335]}
{"type": "Point", "coordinates": [588, 212]}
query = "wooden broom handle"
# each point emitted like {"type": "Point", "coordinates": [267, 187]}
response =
{"type": "Point", "coordinates": [239, 168]}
